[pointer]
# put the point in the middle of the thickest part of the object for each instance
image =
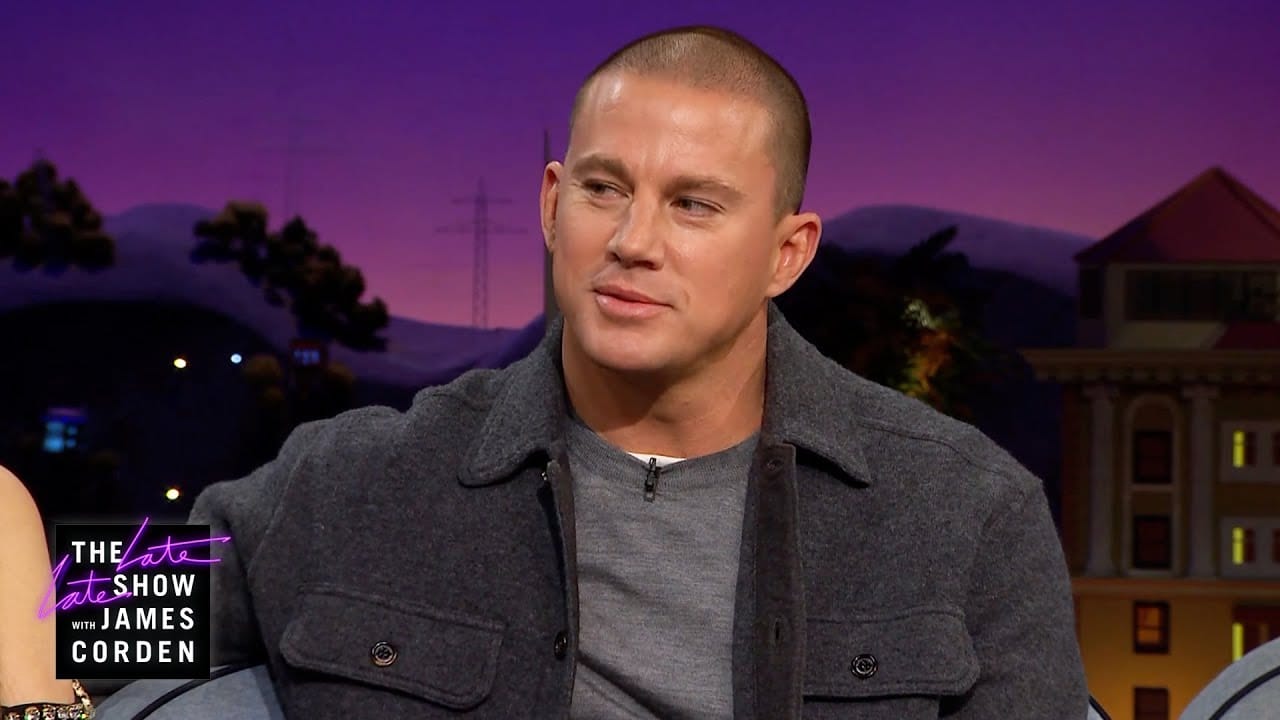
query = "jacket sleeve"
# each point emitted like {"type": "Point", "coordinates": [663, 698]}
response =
{"type": "Point", "coordinates": [243, 510]}
{"type": "Point", "coordinates": [1021, 618]}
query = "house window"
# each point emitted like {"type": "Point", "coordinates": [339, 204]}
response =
{"type": "Point", "coordinates": [1153, 457]}
{"type": "Point", "coordinates": [1090, 292]}
{"type": "Point", "coordinates": [1251, 450]}
{"type": "Point", "coordinates": [1260, 297]}
{"type": "Point", "coordinates": [1251, 626]}
{"type": "Point", "coordinates": [1150, 703]}
{"type": "Point", "coordinates": [1151, 627]}
{"type": "Point", "coordinates": [1151, 543]}
{"type": "Point", "coordinates": [1205, 295]}
{"type": "Point", "coordinates": [1142, 299]}
{"type": "Point", "coordinates": [1244, 448]}
{"type": "Point", "coordinates": [1179, 295]}
{"type": "Point", "coordinates": [1249, 547]}
{"type": "Point", "coordinates": [1241, 546]}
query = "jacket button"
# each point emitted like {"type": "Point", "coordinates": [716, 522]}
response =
{"type": "Point", "coordinates": [561, 645]}
{"type": "Point", "coordinates": [773, 465]}
{"type": "Point", "coordinates": [863, 666]}
{"type": "Point", "coordinates": [383, 654]}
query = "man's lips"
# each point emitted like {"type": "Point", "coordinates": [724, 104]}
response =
{"type": "Point", "coordinates": [623, 293]}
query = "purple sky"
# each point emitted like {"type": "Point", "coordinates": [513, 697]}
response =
{"type": "Point", "coordinates": [1071, 119]}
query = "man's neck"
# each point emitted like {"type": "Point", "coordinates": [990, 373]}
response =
{"type": "Point", "coordinates": [715, 408]}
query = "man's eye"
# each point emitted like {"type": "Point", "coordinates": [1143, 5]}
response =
{"type": "Point", "coordinates": [695, 206]}
{"type": "Point", "coordinates": [596, 188]}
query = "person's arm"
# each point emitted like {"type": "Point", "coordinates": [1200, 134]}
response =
{"type": "Point", "coordinates": [1020, 614]}
{"type": "Point", "coordinates": [27, 664]}
{"type": "Point", "coordinates": [242, 509]}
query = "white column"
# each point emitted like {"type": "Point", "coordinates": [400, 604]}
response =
{"type": "Point", "coordinates": [1101, 479]}
{"type": "Point", "coordinates": [1200, 537]}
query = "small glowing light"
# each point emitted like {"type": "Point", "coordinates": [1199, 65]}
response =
{"type": "Point", "coordinates": [235, 358]}
{"type": "Point", "coordinates": [172, 494]}
{"type": "Point", "coordinates": [1237, 641]}
{"type": "Point", "coordinates": [180, 363]}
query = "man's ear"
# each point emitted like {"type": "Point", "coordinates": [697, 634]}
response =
{"type": "Point", "coordinates": [797, 243]}
{"type": "Point", "coordinates": [548, 196]}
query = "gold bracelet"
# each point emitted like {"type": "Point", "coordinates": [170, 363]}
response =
{"type": "Point", "coordinates": [81, 709]}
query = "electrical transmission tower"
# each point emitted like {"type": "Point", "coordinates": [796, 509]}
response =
{"type": "Point", "coordinates": [294, 150]}
{"type": "Point", "coordinates": [481, 228]}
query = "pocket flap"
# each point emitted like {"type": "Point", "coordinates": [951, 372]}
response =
{"type": "Point", "coordinates": [440, 655]}
{"type": "Point", "coordinates": [917, 652]}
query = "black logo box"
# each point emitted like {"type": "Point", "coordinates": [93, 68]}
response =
{"type": "Point", "coordinates": [85, 649]}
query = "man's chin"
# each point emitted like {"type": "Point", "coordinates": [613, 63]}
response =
{"type": "Point", "coordinates": [621, 360]}
{"type": "Point", "coordinates": [629, 352]}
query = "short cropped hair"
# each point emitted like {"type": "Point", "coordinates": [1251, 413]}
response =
{"type": "Point", "coordinates": [713, 58]}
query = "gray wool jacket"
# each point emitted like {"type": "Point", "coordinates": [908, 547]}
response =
{"type": "Point", "coordinates": [895, 563]}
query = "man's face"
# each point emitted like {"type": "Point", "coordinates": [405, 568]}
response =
{"type": "Point", "coordinates": [666, 193]}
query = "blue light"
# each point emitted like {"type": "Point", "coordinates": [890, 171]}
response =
{"type": "Point", "coordinates": [53, 438]}
{"type": "Point", "coordinates": [61, 426]}
{"type": "Point", "coordinates": [235, 358]}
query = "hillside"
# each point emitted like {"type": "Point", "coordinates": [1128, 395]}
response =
{"type": "Point", "coordinates": [153, 246]}
{"type": "Point", "coordinates": [1039, 254]}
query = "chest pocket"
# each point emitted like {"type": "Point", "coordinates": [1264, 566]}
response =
{"type": "Point", "coordinates": [897, 666]}
{"type": "Point", "coordinates": [353, 647]}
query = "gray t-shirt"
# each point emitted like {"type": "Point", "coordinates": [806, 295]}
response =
{"type": "Point", "coordinates": [656, 579]}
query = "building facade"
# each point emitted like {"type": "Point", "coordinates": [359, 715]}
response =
{"type": "Point", "coordinates": [1171, 445]}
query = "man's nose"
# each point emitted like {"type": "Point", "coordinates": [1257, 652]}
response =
{"type": "Point", "coordinates": [637, 239]}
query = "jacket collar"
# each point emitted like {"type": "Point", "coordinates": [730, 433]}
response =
{"type": "Point", "coordinates": [810, 402]}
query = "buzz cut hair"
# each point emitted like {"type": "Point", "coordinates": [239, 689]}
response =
{"type": "Point", "coordinates": [706, 57]}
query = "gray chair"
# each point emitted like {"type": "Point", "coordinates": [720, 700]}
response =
{"type": "Point", "coordinates": [1248, 689]}
{"type": "Point", "coordinates": [246, 689]}
{"type": "Point", "coordinates": [241, 692]}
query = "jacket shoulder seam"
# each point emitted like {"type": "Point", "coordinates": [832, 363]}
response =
{"type": "Point", "coordinates": [453, 392]}
{"type": "Point", "coordinates": [965, 453]}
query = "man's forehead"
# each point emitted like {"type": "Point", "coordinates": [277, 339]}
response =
{"type": "Point", "coordinates": [625, 114]}
{"type": "Point", "coordinates": [608, 87]}
{"type": "Point", "coordinates": [651, 91]}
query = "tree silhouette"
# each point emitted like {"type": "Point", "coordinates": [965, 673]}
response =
{"type": "Point", "coordinates": [49, 222]}
{"type": "Point", "coordinates": [912, 323]}
{"type": "Point", "coordinates": [294, 269]}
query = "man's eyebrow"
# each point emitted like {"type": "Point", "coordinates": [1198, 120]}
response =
{"type": "Point", "coordinates": [597, 162]}
{"type": "Point", "coordinates": [615, 167]}
{"type": "Point", "coordinates": [705, 183]}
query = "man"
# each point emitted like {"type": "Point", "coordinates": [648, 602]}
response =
{"type": "Point", "coordinates": [675, 506]}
